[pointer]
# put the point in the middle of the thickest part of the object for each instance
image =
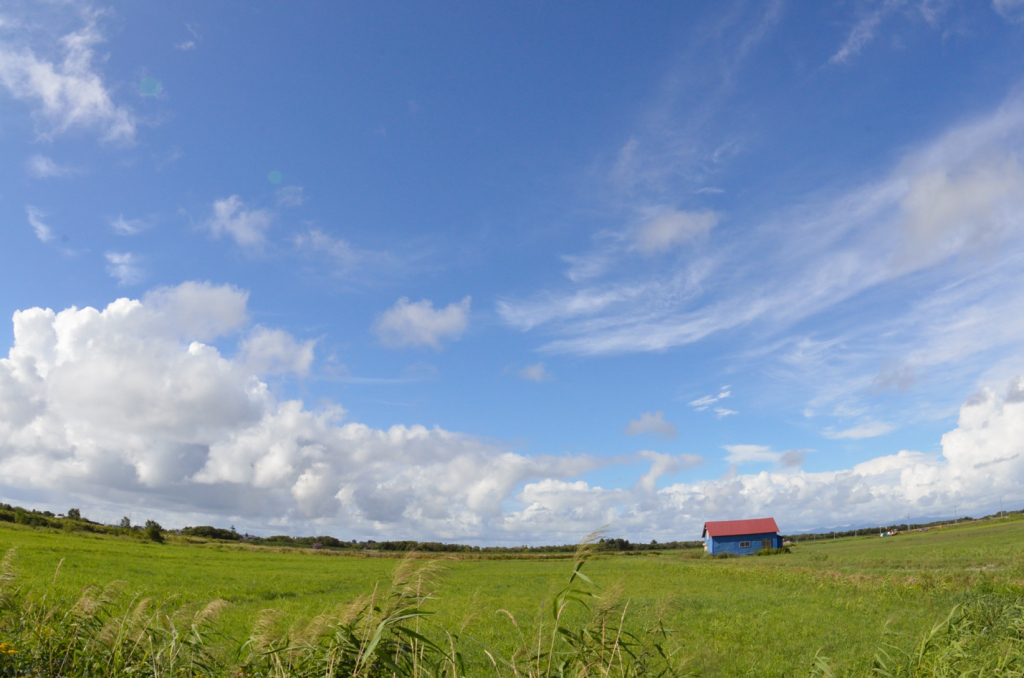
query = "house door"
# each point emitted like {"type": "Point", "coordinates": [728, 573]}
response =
{"type": "Point", "coordinates": [766, 544]}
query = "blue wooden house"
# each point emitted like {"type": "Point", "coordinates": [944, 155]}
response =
{"type": "Point", "coordinates": [741, 537]}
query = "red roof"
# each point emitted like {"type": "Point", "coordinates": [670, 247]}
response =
{"type": "Point", "coordinates": [732, 528]}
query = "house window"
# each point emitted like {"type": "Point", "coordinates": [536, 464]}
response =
{"type": "Point", "coordinates": [744, 544]}
{"type": "Point", "coordinates": [766, 543]}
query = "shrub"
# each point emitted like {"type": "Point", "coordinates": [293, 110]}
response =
{"type": "Point", "coordinates": [153, 531]}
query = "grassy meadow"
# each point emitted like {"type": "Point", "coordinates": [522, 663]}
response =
{"type": "Point", "coordinates": [829, 606]}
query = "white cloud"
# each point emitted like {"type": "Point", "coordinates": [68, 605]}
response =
{"type": "Point", "coordinates": [198, 311]}
{"type": "Point", "coordinates": [703, 403]}
{"type": "Point", "coordinates": [759, 454]}
{"type": "Point", "coordinates": [127, 406]}
{"type": "Point", "coordinates": [749, 454]}
{"type": "Point", "coordinates": [291, 196]}
{"type": "Point", "coordinates": [125, 267]}
{"type": "Point", "coordinates": [536, 372]}
{"type": "Point", "coordinates": [947, 210]}
{"type": "Point", "coordinates": [124, 226]}
{"type": "Point", "coordinates": [953, 207]}
{"type": "Point", "coordinates": [863, 33]}
{"type": "Point", "coordinates": [653, 423]}
{"type": "Point", "coordinates": [35, 220]}
{"type": "Point", "coordinates": [586, 266]}
{"type": "Point", "coordinates": [419, 324]}
{"type": "Point", "coordinates": [1009, 9]}
{"type": "Point", "coordinates": [123, 405]}
{"type": "Point", "coordinates": [42, 167]}
{"type": "Point", "coordinates": [190, 44]}
{"type": "Point", "coordinates": [664, 464]}
{"type": "Point", "coordinates": [270, 351]}
{"type": "Point", "coordinates": [723, 412]}
{"type": "Point", "coordinates": [672, 229]}
{"type": "Point", "coordinates": [69, 93]}
{"type": "Point", "coordinates": [868, 429]}
{"type": "Point", "coordinates": [348, 260]}
{"type": "Point", "coordinates": [246, 227]}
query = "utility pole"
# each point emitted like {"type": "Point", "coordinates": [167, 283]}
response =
{"type": "Point", "coordinates": [954, 514]}
{"type": "Point", "coordinates": [1000, 507]}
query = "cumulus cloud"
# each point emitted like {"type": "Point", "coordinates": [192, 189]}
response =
{"type": "Point", "coordinates": [66, 93]}
{"type": "Point", "coordinates": [42, 167]}
{"type": "Point", "coordinates": [124, 267]}
{"type": "Point", "coordinates": [246, 227]}
{"type": "Point", "coordinates": [672, 229]}
{"type": "Point", "coordinates": [271, 351]}
{"type": "Point", "coordinates": [536, 372]}
{"type": "Point", "coordinates": [35, 220]}
{"type": "Point", "coordinates": [653, 423]}
{"type": "Point", "coordinates": [420, 324]}
{"type": "Point", "coordinates": [129, 406]}
{"type": "Point", "coordinates": [199, 311]}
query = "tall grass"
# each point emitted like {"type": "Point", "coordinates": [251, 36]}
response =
{"type": "Point", "coordinates": [387, 632]}
{"type": "Point", "coordinates": [982, 636]}
{"type": "Point", "coordinates": [580, 631]}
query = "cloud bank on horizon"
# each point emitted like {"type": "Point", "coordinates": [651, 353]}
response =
{"type": "Point", "coordinates": [133, 405]}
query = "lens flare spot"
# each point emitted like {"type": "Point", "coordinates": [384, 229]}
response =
{"type": "Point", "coordinates": [275, 177]}
{"type": "Point", "coordinates": [150, 87]}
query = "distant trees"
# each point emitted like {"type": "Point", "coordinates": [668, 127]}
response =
{"type": "Point", "coordinates": [74, 514]}
{"type": "Point", "coordinates": [125, 523]}
{"type": "Point", "coordinates": [210, 532]}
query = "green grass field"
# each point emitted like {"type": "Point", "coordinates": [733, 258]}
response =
{"type": "Point", "coordinates": [760, 616]}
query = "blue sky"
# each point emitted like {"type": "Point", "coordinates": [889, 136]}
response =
{"type": "Point", "coordinates": [510, 273]}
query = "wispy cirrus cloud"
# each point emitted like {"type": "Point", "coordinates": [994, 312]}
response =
{"type": "Point", "coordinates": [759, 454]}
{"type": "Point", "coordinates": [41, 228]}
{"type": "Point", "coordinates": [867, 429]}
{"type": "Point", "coordinates": [863, 32]}
{"type": "Point", "coordinates": [42, 167]}
{"type": "Point", "coordinates": [348, 261]}
{"type": "Point", "coordinates": [704, 402]}
{"type": "Point", "coordinates": [124, 226]}
{"type": "Point", "coordinates": [1013, 10]}
{"type": "Point", "coordinates": [536, 372]}
{"type": "Point", "coordinates": [65, 91]}
{"type": "Point", "coordinates": [949, 216]}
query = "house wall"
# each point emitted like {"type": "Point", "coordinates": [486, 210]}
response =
{"type": "Point", "coordinates": [719, 545]}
